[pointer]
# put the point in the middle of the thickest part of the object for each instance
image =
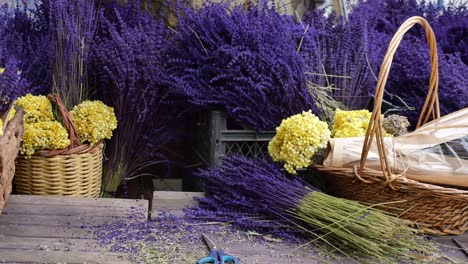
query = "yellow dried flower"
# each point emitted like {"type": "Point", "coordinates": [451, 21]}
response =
{"type": "Point", "coordinates": [36, 108]}
{"type": "Point", "coordinates": [2, 70]}
{"type": "Point", "coordinates": [45, 135]}
{"type": "Point", "coordinates": [351, 123]}
{"type": "Point", "coordinates": [94, 121]}
{"type": "Point", "coordinates": [297, 139]}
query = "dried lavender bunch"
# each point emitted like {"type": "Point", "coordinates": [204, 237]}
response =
{"type": "Point", "coordinates": [73, 25]}
{"type": "Point", "coordinates": [449, 23]}
{"type": "Point", "coordinates": [242, 185]}
{"type": "Point", "coordinates": [12, 85]}
{"type": "Point", "coordinates": [452, 31]}
{"type": "Point", "coordinates": [243, 61]}
{"type": "Point", "coordinates": [24, 36]}
{"type": "Point", "coordinates": [341, 58]}
{"type": "Point", "coordinates": [396, 124]}
{"type": "Point", "coordinates": [245, 209]}
{"type": "Point", "coordinates": [409, 77]}
{"type": "Point", "coordinates": [127, 74]}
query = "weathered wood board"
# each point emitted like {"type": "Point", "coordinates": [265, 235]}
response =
{"type": "Point", "coordinates": [173, 202]}
{"type": "Point", "coordinates": [50, 229]}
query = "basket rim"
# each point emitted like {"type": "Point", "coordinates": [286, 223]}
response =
{"type": "Point", "coordinates": [372, 176]}
{"type": "Point", "coordinates": [82, 149]}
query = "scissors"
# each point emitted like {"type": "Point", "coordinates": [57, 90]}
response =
{"type": "Point", "coordinates": [216, 256]}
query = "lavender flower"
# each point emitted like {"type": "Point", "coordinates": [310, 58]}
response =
{"type": "Point", "coordinates": [12, 85]}
{"type": "Point", "coordinates": [73, 25]}
{"type": "Point", "coordinates": [243, 61]}
{"type": "Point", "coordinates": [24, 36]}
{"type": "Point", "coordinates": [127, 59]}
{"type": "Point", "coordinates": [409, 76]}
{"type": "Point", "coordinates": [452, 31]}
{"type": "Point", "coordinates": [241, 201]}
{"type": "Point", "coordinates": [243, 185]}
{"type": "Point", "coordinates": [342, 57]}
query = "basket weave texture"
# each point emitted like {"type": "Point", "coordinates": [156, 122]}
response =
{"type": "Point", "coordinates": [9, 147]}
{"type": "Point", "coordinates": [75, 171]}
{"type": "Point", "coordinates": [437, 209]}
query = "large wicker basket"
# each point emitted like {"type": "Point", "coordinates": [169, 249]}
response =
{"type": "Point", "coordinates": [438, 210]}
{"type": "Point", "coordinates": [75, 171]}
{"type": "Point", "coordinates": [9, 147]}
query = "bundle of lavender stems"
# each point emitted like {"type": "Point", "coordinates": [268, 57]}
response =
{"type": "Point", "coordinates": [246, 190]}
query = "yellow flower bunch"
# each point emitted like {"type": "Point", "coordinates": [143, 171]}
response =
{"type": "Point", "coordinates": [94, 121]}
{"type": "Point", "coordinates": [43, 135]}
{"type": "Point", "coordinates": [297, 139]}
{"type": "Point", "coordinates": [36, 108]}
{"type": "Point", "coordinates": [2, 70]}
{"type": "Point", "coordinates": [350, 123]}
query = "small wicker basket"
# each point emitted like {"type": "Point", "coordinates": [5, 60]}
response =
{"type": "Point", "coordinates": [75, 171]}
{"type": "Point", "coordinates": [9, 147]}
{"type": "Point", "coordinates": [438, 210]}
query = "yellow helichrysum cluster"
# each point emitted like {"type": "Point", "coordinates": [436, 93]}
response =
{"type": "Point", "coordinates": [36, 108]}
{"type": "Point", "coordinates": [297, 139]}
{"type": "Point", "coordinates": [94, 121]}
{"type": "Point", "coordinates": [1, 70]}
{"type": "Point", "coordinates": [41, 131]}
{"type": "Point", "coordinates": [350, 123]}
{"type": "Point", "coordinates": [43, 135]}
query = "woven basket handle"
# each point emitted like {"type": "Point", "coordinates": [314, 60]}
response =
{"type": "Point", "coordinates": [75, 144]}
{"type": "Point", "coordinates": [67, 120]}
{"type": "Point", "coordinates": [431, 105]}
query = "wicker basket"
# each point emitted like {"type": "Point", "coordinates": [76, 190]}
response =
{"type": "Point", "coordinates": [75, 171]}
{"type": "Point", "coordinates": [9, 147]}
{"type": "Point", "coordinates": [438, 210]}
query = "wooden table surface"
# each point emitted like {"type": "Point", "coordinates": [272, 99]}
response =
{"type": "Point", "coordinates": [50, 229]}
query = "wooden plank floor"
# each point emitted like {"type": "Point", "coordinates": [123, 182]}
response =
{"type": "Point", "coordinates": [274, 252]}
{"type": "Point", "coordinates": [50, 229]}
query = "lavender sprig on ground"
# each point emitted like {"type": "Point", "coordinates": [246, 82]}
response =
{"type": "Point", "coordinates": [242, 61]}
{"type": "Point", "coordinates": [177, 239]}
